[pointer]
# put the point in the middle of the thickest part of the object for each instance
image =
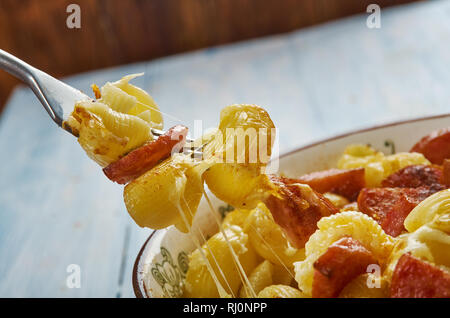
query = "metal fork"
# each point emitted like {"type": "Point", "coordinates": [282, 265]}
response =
{"type": "Point", "coordinates": [57, 97]}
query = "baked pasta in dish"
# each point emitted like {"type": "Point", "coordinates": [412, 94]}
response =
{"type": "Point", "coordinates": [375, 226]}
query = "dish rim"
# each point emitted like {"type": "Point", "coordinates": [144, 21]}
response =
{"type": "Point", "coordinates": [137, 276]}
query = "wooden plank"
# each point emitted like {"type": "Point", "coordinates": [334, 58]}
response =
{"type": "Point", "coordinates": [115, 32]}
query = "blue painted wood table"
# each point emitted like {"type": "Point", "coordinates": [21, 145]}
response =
{"type": "Point", "coordinates": [56, 206]}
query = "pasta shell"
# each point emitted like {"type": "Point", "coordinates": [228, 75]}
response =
{"type": "Point", "coordinates": [199, 282]}
{"type": "Point", "coordinates": [235, 184]}
{"type": "Point", "coordinates": [239, 155]}
{"type": "Point", "coordinates": [269, 240]}
{"type": "Point", "coordinates": [434, 207]}
{"type": "Point", "coordinates": [236, 217]}
{"type": "Point", "coordinates": [359, 288]}
{"type": "Point", "coordinates": [259, 278]}
{"type": "Point", "coordinates": [131, 130]}
{"type": "Point", "coordinates": [111, 128]}
{"type": "Point", "coordinates": [280, 291]}
{"type": "Point", "coordinates": [144, 100]}
{"type": "Point", "coordinates": [117, 99]}
{"type": "Point", "coordinates": [377, 165]}
{"type": "Point", "coordinates": [99, 143]}
{"type": "Point", "coordinates": [168, 194]}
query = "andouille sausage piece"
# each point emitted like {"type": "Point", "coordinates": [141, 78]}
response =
{"type": "Point", "coordinates": [435, 146]}
{"type": "Point", "coordinates": [446, 173]}
{"type": "Point", "coordinates": [390, 206]}
{"type": "Point", "coordinates": [415, 176]}
{"type": "Point", "coordinates": [347, 183]}
{"type": "Point", "coordinates": [297, 209]}
{"type": "Point", "coordinates": [414, 278]}
{"type": "Point", "coordinates": [147, 156]}
{"type": "Point", "coordinates": [343, 261]}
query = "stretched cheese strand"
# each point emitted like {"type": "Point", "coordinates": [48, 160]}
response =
{"type": "Point", "coordinates": [243, 276]}
{"type": "Point", "coordinates": [221, 290]}
{"type": "Point", "coordinates": [273, 251]}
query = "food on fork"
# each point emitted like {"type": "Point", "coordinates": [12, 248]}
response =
{"type": "Point", "coordinates": [373, 221]}
{"type": "Point", "coordinates": [239, 151]}
{"type": "Point", "coordinates": [138, 161]}
{"type": "Point", "coordinates": [168, 194]}
{"type": "Point", "coordinates": [118, 122]}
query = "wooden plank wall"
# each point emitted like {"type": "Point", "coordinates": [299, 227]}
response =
{"type": "Point", "coordinates": [121, 31]}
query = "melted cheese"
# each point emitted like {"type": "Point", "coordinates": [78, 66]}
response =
{"type": "Point", "coordinates": [244, 278]}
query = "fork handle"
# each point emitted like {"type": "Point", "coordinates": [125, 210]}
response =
{"type": "Point", "coordinates": [16, 67]}
{"type": "Point", "coordinates": [27, 74]}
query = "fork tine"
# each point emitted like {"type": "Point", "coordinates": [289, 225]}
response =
{"type": "Point", "coordinates": [195, 152]}
{"type": "Point", "coordinates": [158, 132]}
